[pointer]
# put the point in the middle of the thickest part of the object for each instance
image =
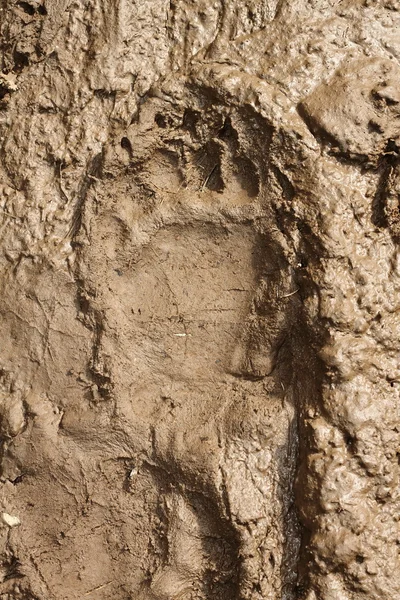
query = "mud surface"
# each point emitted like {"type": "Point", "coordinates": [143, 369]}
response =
{"type": "Point", "coordinates": [200, 277]}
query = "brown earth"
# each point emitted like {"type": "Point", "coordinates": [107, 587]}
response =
{"type": "Point", "coordinates": [200, 275]}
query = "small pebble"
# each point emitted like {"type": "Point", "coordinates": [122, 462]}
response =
{"type": "Point", "coordinates": [10, 520]}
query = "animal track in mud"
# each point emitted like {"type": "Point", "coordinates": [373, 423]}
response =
{"type": "Point", "coordinates": [200, 307]}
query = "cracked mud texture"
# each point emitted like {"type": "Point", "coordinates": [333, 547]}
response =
{"type": "Point", "coordinates": [200, 277]}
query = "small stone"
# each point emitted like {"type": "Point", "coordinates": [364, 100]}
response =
{"type": "Point", "coordinates": [10, 520]}
{"type": "Point", "coordinates": [371, 568]}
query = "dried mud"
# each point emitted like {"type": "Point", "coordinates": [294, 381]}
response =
{"type": "Point", "coordinates": [199, 375]}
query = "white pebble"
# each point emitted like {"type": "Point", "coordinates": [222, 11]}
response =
{"type": "Point", "coordinates": [10, 520]}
